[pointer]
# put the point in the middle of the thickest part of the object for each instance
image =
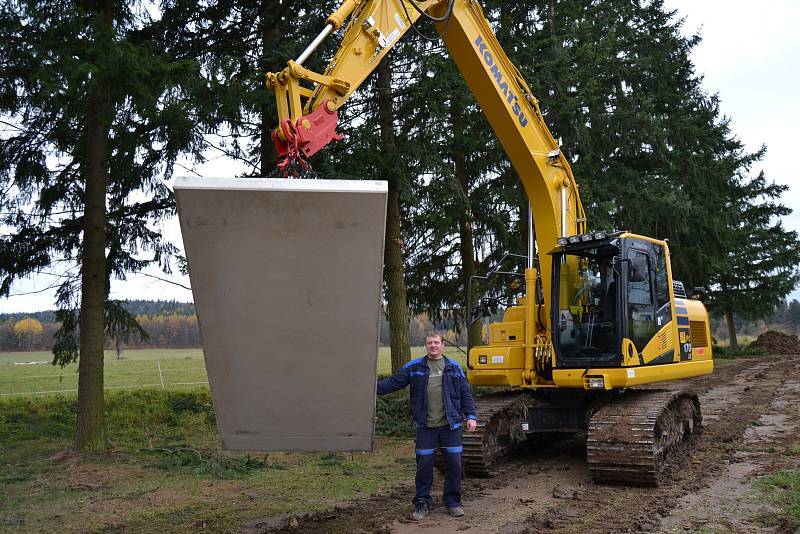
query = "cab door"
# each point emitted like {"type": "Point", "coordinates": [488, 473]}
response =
{"type": "Point", "coordinates": [640, 312]}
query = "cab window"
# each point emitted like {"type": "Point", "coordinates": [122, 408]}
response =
{"type": "Point", "coordinates": [639, 291]}
{"type": "Point", "coordinates": [641, 325]}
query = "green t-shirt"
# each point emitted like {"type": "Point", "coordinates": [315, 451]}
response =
{"type": "Point", "coordinates": [436, 413]}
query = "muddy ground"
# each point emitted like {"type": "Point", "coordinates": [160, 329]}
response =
{"type": "Point", "coordinates": [750, 421]}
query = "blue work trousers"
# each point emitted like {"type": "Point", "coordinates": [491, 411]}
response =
{"type": "Point", "coordinates": [449, 440]}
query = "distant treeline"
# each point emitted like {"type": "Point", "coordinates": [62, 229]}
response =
{"type": "Point", "coordinates": [169, 324]}
{"type": "Point", "coordinates": [785, 317]}
{"type": "Point", "coordinates": [136, 307]}
{"type": "Point", "coordinates": [174, 325]}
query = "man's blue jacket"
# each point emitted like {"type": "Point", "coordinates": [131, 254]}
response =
{"type": "Point", "coordinates": [456, 392]}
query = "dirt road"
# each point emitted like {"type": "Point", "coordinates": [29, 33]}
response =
{"type": "Point", "coordinates": [750, 420]}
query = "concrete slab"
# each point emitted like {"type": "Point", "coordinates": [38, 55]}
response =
{"type": "Point", "coordinates": [286, 276]}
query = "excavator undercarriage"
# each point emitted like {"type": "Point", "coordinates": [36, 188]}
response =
{"type": "Point", "coordinates": [630, 435]}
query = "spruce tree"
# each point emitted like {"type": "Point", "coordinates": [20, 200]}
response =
{"type": "Point", "coordinates": [96, 115]}
{"type": "Point", "coordinates": [237, 44]}
{"type": "Point", "coordinates": [761, 261]}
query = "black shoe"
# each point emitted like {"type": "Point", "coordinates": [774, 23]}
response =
{"type": "Point", "coordinates": [456, 511]}
{"type": "Point", "coordinates": [420, 511]}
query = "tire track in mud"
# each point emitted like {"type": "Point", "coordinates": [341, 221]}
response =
{"type": "Point", "coordinates": [549, 489]}
{"type": "Point", "coordinates": [731, 400]}
{"type": "Point", "coordinates": [768, 445]}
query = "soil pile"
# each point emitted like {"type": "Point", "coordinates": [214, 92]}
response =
{"type": "Point", "coordinates": [777, 343]}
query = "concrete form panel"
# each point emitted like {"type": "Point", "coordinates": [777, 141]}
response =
{"type": "Point", "coordinates": [286, 276]}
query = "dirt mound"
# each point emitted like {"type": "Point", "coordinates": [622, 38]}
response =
{"type": "Point", "coordinates": [777, 343]}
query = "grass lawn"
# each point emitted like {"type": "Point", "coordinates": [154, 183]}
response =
{"type": "Point", "coordinates": [166, 470]}
{"type": "Point", "coordinates": [783, 489]}
{"type": "Point", "coordinates": [30, 373]}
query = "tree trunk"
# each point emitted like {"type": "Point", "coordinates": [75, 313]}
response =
{"type": "Point", "coordinates": [465, 219]}
{"type": "Point", "coordinates": [90, 426]}
{"type": "Point", "coordinates": [734, 343]}
{"type": "Point", "coordinates": [268, 154]}
{"type": "Point", "coordinates": [270, 34]}
{"type": "Point", "coordinates": [394, 272]}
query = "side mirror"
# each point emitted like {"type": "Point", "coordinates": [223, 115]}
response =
{"type": "Point", "coordinates": [699, 293]}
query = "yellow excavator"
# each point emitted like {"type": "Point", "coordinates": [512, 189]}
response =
{"type": "Point", "coordinates": [601, 314]}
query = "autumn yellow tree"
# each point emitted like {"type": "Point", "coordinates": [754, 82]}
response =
{"type": "Point", "coordinates": [29, 332]}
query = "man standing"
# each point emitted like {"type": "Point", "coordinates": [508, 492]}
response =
{"type": "Point", "coordinates": [441, 400]}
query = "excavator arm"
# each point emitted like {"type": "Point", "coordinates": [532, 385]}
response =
{"type": "Point", "coordinates": [307, 116]}
{"type": "Point", "coordinates": [608, 303]}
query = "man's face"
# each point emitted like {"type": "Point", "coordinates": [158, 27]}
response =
{"type": "Point", "coordinates": [433, 345]}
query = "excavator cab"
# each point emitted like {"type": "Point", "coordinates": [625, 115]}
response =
{"type": "Point", "coordinates": [612, 298]}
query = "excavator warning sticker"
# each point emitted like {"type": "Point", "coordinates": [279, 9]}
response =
{"type": "Point", "coordinates": [386, 41]}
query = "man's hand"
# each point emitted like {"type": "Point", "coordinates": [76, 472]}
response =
{"type": "Point", "coordinates": [471, 425]}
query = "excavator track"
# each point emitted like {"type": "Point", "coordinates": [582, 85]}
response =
{"type": "Point", "coordinates": [630, 440]}
{"type": "Point", "coordinates": [499, 432]}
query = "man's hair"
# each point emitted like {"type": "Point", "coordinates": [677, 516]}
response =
{"type": "Point", "coordinates": [434, 333]}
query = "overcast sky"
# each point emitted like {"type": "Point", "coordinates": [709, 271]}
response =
{"type": "Point", "coordinates": [750, 56]}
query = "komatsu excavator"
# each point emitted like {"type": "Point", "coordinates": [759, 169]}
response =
{"type": "Point", "coordinates": [601, 314]}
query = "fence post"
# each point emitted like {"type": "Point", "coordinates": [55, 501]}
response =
{"type": "Point", "coordinates": [160, 374]}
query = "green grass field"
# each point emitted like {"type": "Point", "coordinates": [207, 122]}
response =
{"type": "Point", "coordinates": [31, 373]}
{"type": "Point", "coordinates": [165, 469]}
